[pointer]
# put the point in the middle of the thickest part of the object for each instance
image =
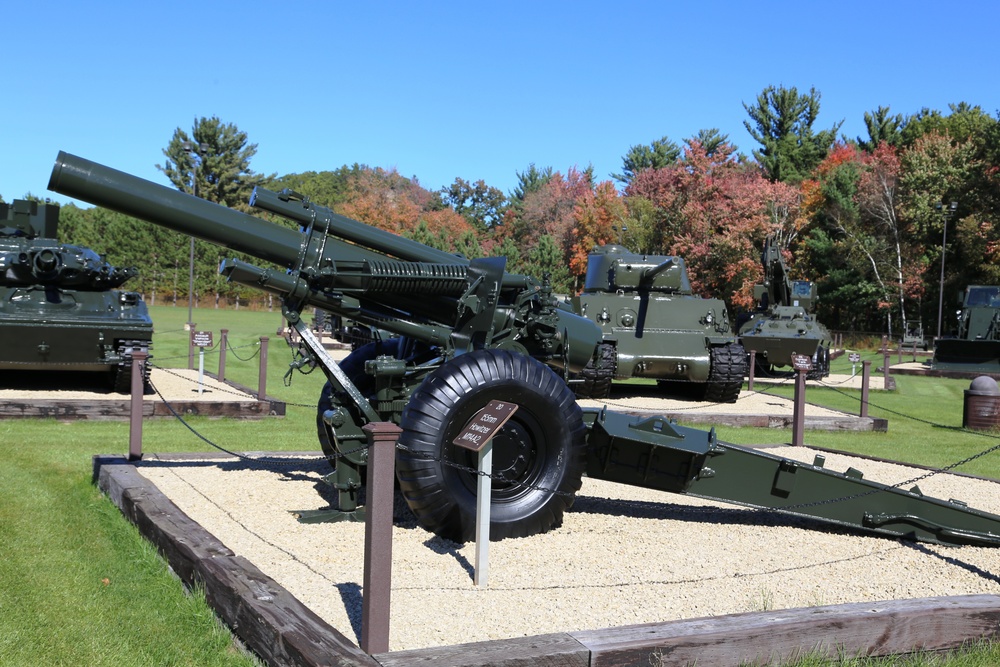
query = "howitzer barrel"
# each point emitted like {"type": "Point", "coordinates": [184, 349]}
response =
{"type": "Point", "coordinates": [296, 208]}
{"type": "Point", "coordinates": [116, 190]}
{"type": "Point", "coordinates": [103, 186]}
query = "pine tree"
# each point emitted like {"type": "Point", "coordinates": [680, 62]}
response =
{"type": "Point", "coordinates": [783, 125]}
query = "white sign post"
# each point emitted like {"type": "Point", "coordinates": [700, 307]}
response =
{"type": "Point", "coordinates": [478, 436]}
{"type": "Point", "coordinates": [201, 340]}
{"type": "Point", "coordinates": [854, 358]}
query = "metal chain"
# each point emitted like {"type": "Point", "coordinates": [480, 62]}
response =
{"type": "Point", "coordinates": [535, 487]}
{"type": "Point", "coordinates": [251, 357]}
{"type": "Point", "coordinates": [262, 460]}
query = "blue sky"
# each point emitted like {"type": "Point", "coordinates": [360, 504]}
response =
{"type": "Point", "coordinates": [477, 90]}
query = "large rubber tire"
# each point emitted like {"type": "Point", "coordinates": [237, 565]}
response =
{"type": "Point", "coordinates": [353, 366]}
{"type": "Point", "coordinates": [725, 380]}
{"type": "Point", "coordinates": [540, 453]}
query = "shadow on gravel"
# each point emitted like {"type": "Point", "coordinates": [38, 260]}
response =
{"type": "Point", "coordinates": [731, 516]}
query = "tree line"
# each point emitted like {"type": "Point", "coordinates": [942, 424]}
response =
{"type": "Point", "coordinates": [863, 217]}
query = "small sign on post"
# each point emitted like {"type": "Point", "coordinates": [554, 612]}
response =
{"type": "Point", "coordinates": [802, 362]}
{"type": "Point", "coordinates": [201, 340]}
{"type": "Point", "coordinates": [477, 435]}
{"type": "Point", "coordinates": [854, 358]}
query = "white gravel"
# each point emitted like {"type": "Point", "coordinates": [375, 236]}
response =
{"type": "Point", "coordinates": [623, 555]}
{"type": "Point", "coordinates": [176, 384]}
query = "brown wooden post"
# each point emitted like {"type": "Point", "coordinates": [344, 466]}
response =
{"type": "Point", "coordinates": [866, 371]}
{"type": "Point", "coordinates": [223, 346]}
{"type": "Point", "coordinates": [135, 405]}
{"type": "Point", "coordinates": [377, 579]}
{"type": "Point", "coordinates": [191, 346]}
{"type": "Point", "coordinates": [799, 408]}
{"type": "Point", "coordinates": [262, 373]}
{"type": "Point", "coordinates": [885, 368]}
{"type": "Point", "coordinates": [753, 357]}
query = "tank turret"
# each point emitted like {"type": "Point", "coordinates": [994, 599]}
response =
{"type": "Point", "coordinates": [61, 309]}
{"type": "Point", "coordinates": [654, 327]}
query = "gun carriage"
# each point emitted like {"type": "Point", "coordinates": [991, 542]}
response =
{"type": "Point", "coordinates": [468, 332]}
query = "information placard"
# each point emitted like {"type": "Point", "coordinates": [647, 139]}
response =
{"type": "Point", "coordinates": [201, 338]}
{"type": "Point", "coordinates": [485, 425]}
{"type": "Point", "coordinates": [802, 362]}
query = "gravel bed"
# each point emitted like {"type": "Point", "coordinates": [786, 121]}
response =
{"type": "Point", "coordinates": [175, 384]}
{"type": "Point", "coordinates": [623, 555]}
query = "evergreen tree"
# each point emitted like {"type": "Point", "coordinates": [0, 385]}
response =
{"type": "Point", "coordinates": [530, 180]}
{"type": "Point", "coordinates": [219, 155]}
{"type": "Point", "coordinates": [546, 258]}
{"type": "Point", "coordinates": [661, 153]}
{"type": "Point", "coordinates": [882, 128]}
{"type": "Point", "coordinates": [509, 250]}
{"type": "Point", "coordinates": [783, 125]}
{"type": "Point", "coordinates": [709, 139]}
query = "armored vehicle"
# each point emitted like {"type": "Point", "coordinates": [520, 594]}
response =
{"type": "Point", "coordinates": [977, 340]}
{"type": "Point", "coordinates": [471, 336]}
{"type": "Point", "coordinates": [784, 322]}
{"type": "Point", "coordinates": [60, 307]}
{"type": "Point", "coordinates": [653, 326]}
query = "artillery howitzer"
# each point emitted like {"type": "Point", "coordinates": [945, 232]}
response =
{"type": "Point", "coordinates": [977, 340]}
{"type": "Point", "coordinates": [470, 333]}
{"type": "Point", "coordinates": [59, 306]}
{"type": "Point", "coordinates": [784, 323]}
{"type": "Point", "coordinates": [653, 326]}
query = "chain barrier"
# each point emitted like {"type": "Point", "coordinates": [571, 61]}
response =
{"type": "Point", "coordinates": [499, 477]}
{"type": "Point", "coordinates": [261, 460]}
{"type": "Point", "coordinates": [253, 356]}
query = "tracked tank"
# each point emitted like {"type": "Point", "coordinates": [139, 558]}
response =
{"type": "Point", "coordinates": [784, 323]}
{"type": "Point", "coordinates": [653, 326]}
{"type": "Point", "coordinates": [977, 341]}
{"type": "Point", "coordinates": [61, 309]}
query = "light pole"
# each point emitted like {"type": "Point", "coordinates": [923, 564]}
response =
{"type": "Point", "coordinates": [191, 149]}
{"type": "Point", "coordinates": [947, 213]}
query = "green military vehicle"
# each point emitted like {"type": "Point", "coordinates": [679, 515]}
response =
{"type": "Point", "coordinates": [474, 339]}
{"type": "Point", "coordinates": [977, 340]}
{"type": "Point", "coordinates": [653, 326]}
{"type": "Point", "coordinates": [59, 306]}
{"type": "Point", "coordinates": [784, 323]}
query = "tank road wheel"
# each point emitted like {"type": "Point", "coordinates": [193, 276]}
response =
{"type": "Point", "coordinates": [821, 364]}
{"type": "Point", "coordinates": [121, 375]}
{"type": "Point", "coordinates": [542, 445]}
{"type": "Point", "coordinates": [353, 366]}
{"type": "Point", "coordinates": [596, 378]}
{"type": "Point", "coordinates": [725, 378]}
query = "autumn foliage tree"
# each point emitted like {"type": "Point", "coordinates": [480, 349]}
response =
{"type": "Point", "coordinates": [596, 214]}
{"type": "Point", "coordinates": [716, 213]}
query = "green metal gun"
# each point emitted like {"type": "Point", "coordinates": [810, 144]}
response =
{"type": "Point", "coordinates": [469, 333]}
{"type": "Point", "coordinates": [784, 323]}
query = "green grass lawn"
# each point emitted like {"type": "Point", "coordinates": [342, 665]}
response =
{"type": "Point", "coordinates": [79, 586]}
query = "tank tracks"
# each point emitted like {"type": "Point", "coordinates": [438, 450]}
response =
{"type": "Point", "coordinates": [725, 379]}
{"type": "Point", "coordinates": [121, 375]}
{"type": "Point", "coordinates": [821, 366]}
{"type": "Point", "coordinates": [594, 380]}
